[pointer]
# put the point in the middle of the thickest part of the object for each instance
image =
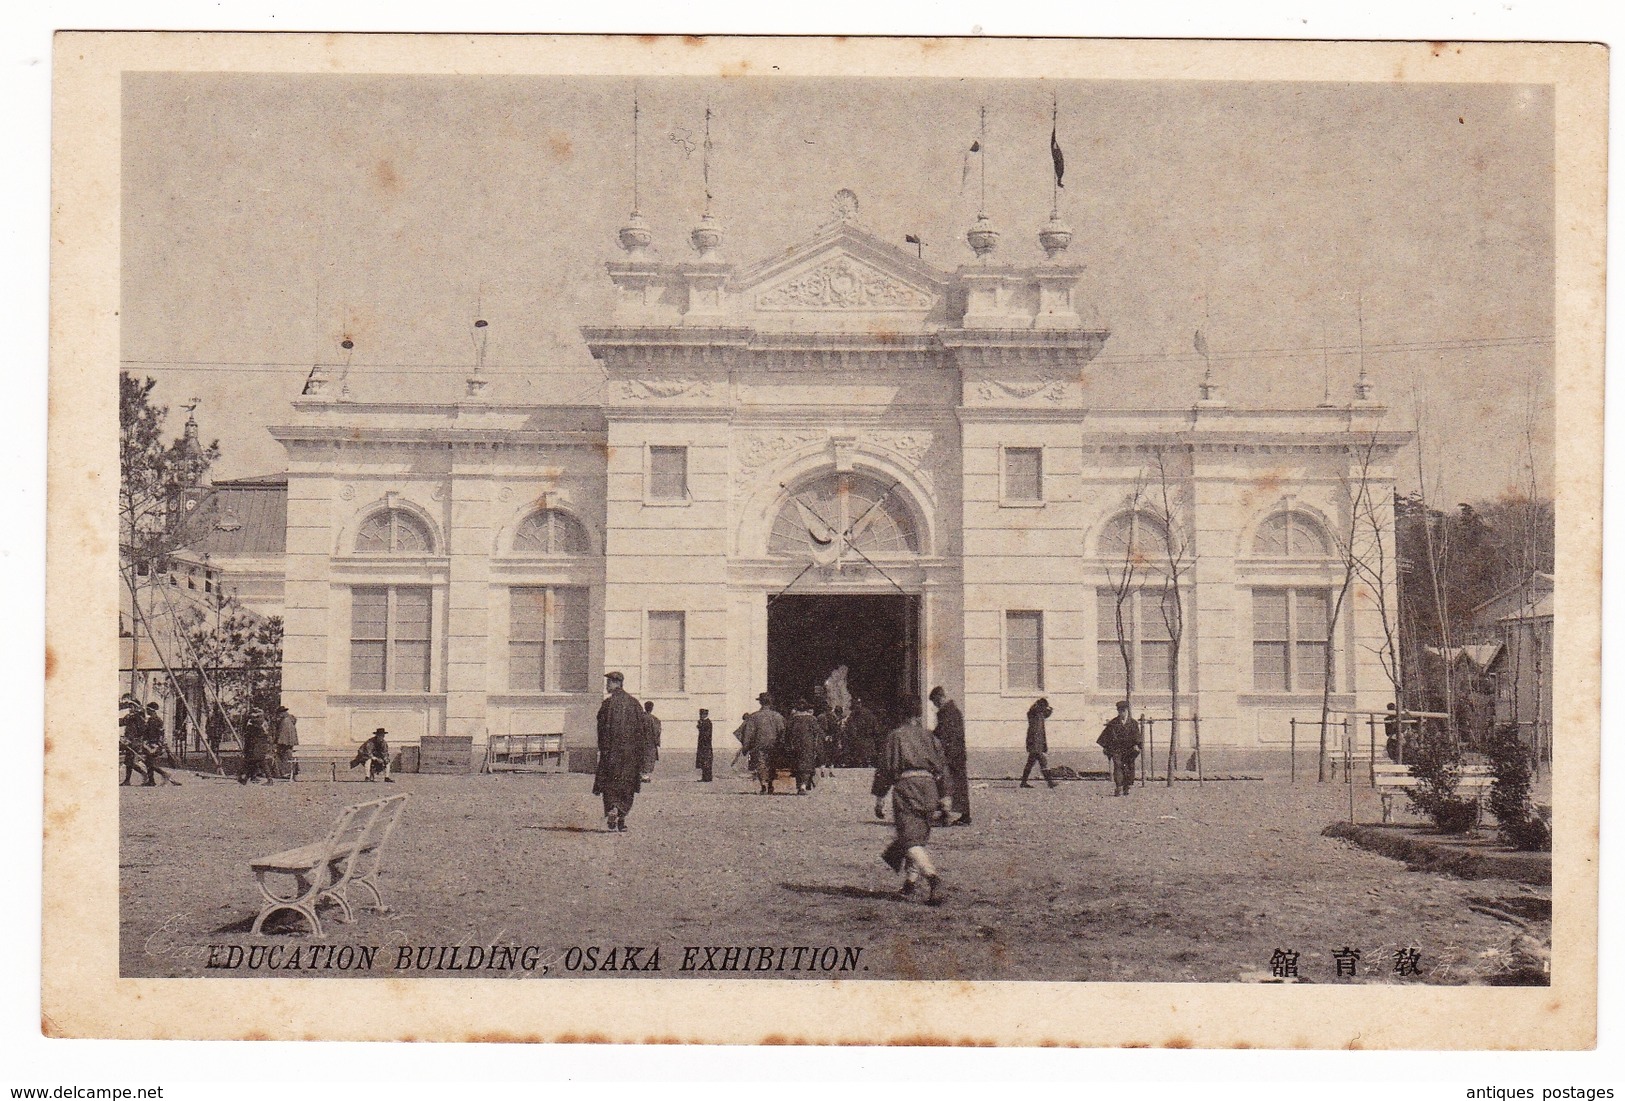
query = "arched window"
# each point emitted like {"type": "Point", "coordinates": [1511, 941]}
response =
{"type": "Point", "coordinates": [1136, 536]}
{"type": "Point", "coordinates": [838, 510]}
{"type": "Point", "coordinates": [551, 531]}
{"type": "Point", "coordinates": [393, 531]}
{"type": "Point", "coordinates": [1291, 534]}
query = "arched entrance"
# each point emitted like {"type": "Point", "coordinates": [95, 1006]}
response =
{"type": "Point", "coordinates": [849, 607]}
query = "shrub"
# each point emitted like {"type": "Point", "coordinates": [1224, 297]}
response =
{"type": "Point", "coordinates": [1436, 765]}
{"type": "Point", "coordinates": [1516, 821]}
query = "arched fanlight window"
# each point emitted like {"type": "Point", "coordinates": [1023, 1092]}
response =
{"type": "Point", "coordinates": [551, 531]}
{"type": "Point", "coordinates": [1136, 536]}
{"type": "Point", "coordinates": [393, 531]}
{"type": "Point", "coordinates": [840, 508]}
{"type": "Point", "coordinates": [1291, 534]}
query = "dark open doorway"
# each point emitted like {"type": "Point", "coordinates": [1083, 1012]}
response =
{"type": "Point", "coordinates": [875, 637]}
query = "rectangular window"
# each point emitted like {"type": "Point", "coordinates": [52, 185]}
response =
{"type": "Point", "coordinates": [390, 643]}
{"type": "Point", "coordinates": [1024, 651]}
{"type": "Point", "coordinates": [666, 652]}
{"type": "Point", "coordinates": [1146, 636]}
{"type": "Point", "coordinates": [668, 473]}
{"type": "Point", "coordinates": [547, 639]}
{"type": "Point", "coordinates": [1290, 629]}
{"type": "Point", "coordinates": [1023, 474]}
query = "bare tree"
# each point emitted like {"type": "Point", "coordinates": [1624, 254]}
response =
{"type": "Point", "coordinates": [1371, 553]}
{"type": "Point", "coordinates": [1436, 543]}
{"type": "Point", "coordinates": [1355, 486]}
{"type": "Point", "coordinates": [1123, 577]}
{"type": "Point", "coordinates": [1176, 565]}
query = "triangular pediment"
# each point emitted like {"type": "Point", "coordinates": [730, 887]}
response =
{"type": "Point", "coordinates": [845, 268]}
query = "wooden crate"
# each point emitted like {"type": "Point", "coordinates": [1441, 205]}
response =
{"type": "Point", "coordinates": [445, 756]}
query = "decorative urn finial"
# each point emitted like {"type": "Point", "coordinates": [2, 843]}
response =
{"type": "Point", "coordinates": [634, 235]}
{"type": "Point", "coordinates": [1055, 236]}
{"type": "Point", "coordinates": [982, 237]}
{"type": "Point", "coordinates": [707, 236]}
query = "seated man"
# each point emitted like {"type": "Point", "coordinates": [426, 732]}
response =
{"type": "Point", "coordinates": [374, 753]}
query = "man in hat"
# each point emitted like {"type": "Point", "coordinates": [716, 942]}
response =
{"type": "Point", "coordinates": [132, 724]}
{"type": "Point", "coordinates": [1120, 741]}
{"type": "Point", "coordinates": [375, 755]}
{"type": "Point", "coordinates": [704, 756]}
{"type": "Point", "coordinates": [255, 747]}
{"type": "Point", "coordinates": [950, 732]}
{"type": "Point", "coordinates": [151, 747]}
{"type": "Point", "coordinates": [805, 737]}
{"type": "Point", "coordinates": [621, 734]}
{"type": "Point", "coordinates": [911, 767]}
{"type": "Point", "coordinates": [285, 739]}
{"type": "Point", "coordinates": [764, 730]}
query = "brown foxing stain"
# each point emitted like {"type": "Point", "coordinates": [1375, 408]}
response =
{"type": "Point", "coordinates": [734, 69]}
{"type": "Point", "coordinates": [500, 1038]}
{"type": "Point", "coordinates": [581, 1038]}
{"type": "Point", "coordinates": [61, 818]}
{"type": "Point", "coordinates": [1179, 1042]}
{"type": "Point", "coordinates": [50, 664]}
{"type": "Point", "coordinates": [254, 1034]}
{"type": "Point", "coordinates": [559, 145]}
{"type": "Point", "coordinates": [694, 40]}
{"type": "Point", "coordinates": [385, 176]}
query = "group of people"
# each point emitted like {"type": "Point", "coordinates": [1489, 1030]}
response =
{"type": "Point", "coordinates": [812, 739]}
{"type": "Point", "coordinates": [268, 747]}
{"type": "Point", "coordinates": [141, 743]}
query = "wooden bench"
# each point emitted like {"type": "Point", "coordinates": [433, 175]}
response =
{"type": "Point", "coordinates": [321, 762]}
{"type": "Point", "coordinates": [524, 753]}
{"type": "Point", "coordinates": [323, 871]}
{"type": "Point", "coordinates": [1472, 781]}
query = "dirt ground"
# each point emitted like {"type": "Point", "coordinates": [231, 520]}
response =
{"type": "Point", "coordinates": [1189, 884]}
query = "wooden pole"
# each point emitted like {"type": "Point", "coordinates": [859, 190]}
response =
{"type": "Point", "coordinates": [1348, 765]}
{"type": "Point", "coordinates": [1294, 749]}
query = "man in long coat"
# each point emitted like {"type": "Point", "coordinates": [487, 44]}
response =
{"type": "Point", "coordinates": [621, 729]}
{"type": "Point", "coordinates": [651, 740]}
{"type": "Point", "coordinates": [806, 734]}
{"type": "Point", "coordinates": [286, 741]}
{"type": "Point", "coordinates": [862, 728]}
{"type": "Point", "coordinates": [1120, 740]}
{"type": "Point", "coordinates": [704, 755]}
{"type": "Point", "coordinates": [764, 730]}
{"type": "Point", "coordinates": [950, 732]}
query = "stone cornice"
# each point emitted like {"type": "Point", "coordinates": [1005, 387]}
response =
{"type": "Point", "coordinates": [439, 437]}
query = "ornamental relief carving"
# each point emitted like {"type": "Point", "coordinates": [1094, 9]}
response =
{"type": "Point", "coordinates": [643, 389]}
{"type": "Point", "coordinates": [843, 285]}
{"type": "Point", "coordinates": [757, 449]}
{"type": "Point", "coordinates": [1050, 389]}
{"type": "Point", "coordinates": [910, 445]}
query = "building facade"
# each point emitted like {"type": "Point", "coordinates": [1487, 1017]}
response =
{"type": "Point", "coordinates": [842, 457]}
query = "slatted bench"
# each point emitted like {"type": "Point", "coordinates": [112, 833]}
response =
{"type": "Point", "coordinates": [323, 871]}
{"type": "Point", "coordinates": [321, 762]}
{"type": "Point", "coordinates": [1472, 781]}
{"type": "Point", "coordinates": [524, 753]}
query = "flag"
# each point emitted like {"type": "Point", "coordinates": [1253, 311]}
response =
{"type": "Point", "coordinates": [964, 169]}
{"type": "Point", "coordinates": [912, 239]}
{"type": "Point", "coordinates": [1055, 155]}
{"type": "Point", "coordinates": [1201, 344]}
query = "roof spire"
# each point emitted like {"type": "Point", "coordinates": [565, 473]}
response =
{"type": "Point", "coordinates": [634, 235]}
{"type": "Point", "coordinates": [707, 236]}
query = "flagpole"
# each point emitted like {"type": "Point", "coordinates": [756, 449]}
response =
{"type": "Point", "coordinates": [706, 159]}
{"type": "Point", "coordinates": [1055, 181]}
{"type": "Point", "coordinates": [635, 206]}
{"type": "Point", "coordinates": [982, 163]}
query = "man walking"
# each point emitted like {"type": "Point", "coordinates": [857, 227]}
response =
{"type": "Point", "coordinates": [764, 730]}
{"type": "Point", "coordinates": [950, 732]}
{"type": "Point", "coordinates": [622, 727]}
{"type": "Point", "coordinates": [152, 746]}
{"type": "Point", "coordinates": [805, 735]}
{"type": "Point", "coordinates": [1038, 742]}
{"type": "Point", "coordinates": [911, 766]}
{"type": "Point", "coordinates": [1120, 741]}
{"type": "Point", "coordinates": [254, 750]}
{"type": "Point", "coordinates": [704, 755]}
{"type": "Point", "coordinates": [132, 727]}
{"type": "Point", "coordinates": [651, 740]}
{"type": "Point", "coordinates": [285, 740]}
{"type": "Point", "coordinates": [861, 731]}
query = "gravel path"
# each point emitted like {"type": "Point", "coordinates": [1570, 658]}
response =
{"type": "Point", "coordinates": [1183, 885]}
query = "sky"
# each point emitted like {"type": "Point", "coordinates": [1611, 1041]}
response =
{"type": "Point", "coordinates": [268, 217]}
